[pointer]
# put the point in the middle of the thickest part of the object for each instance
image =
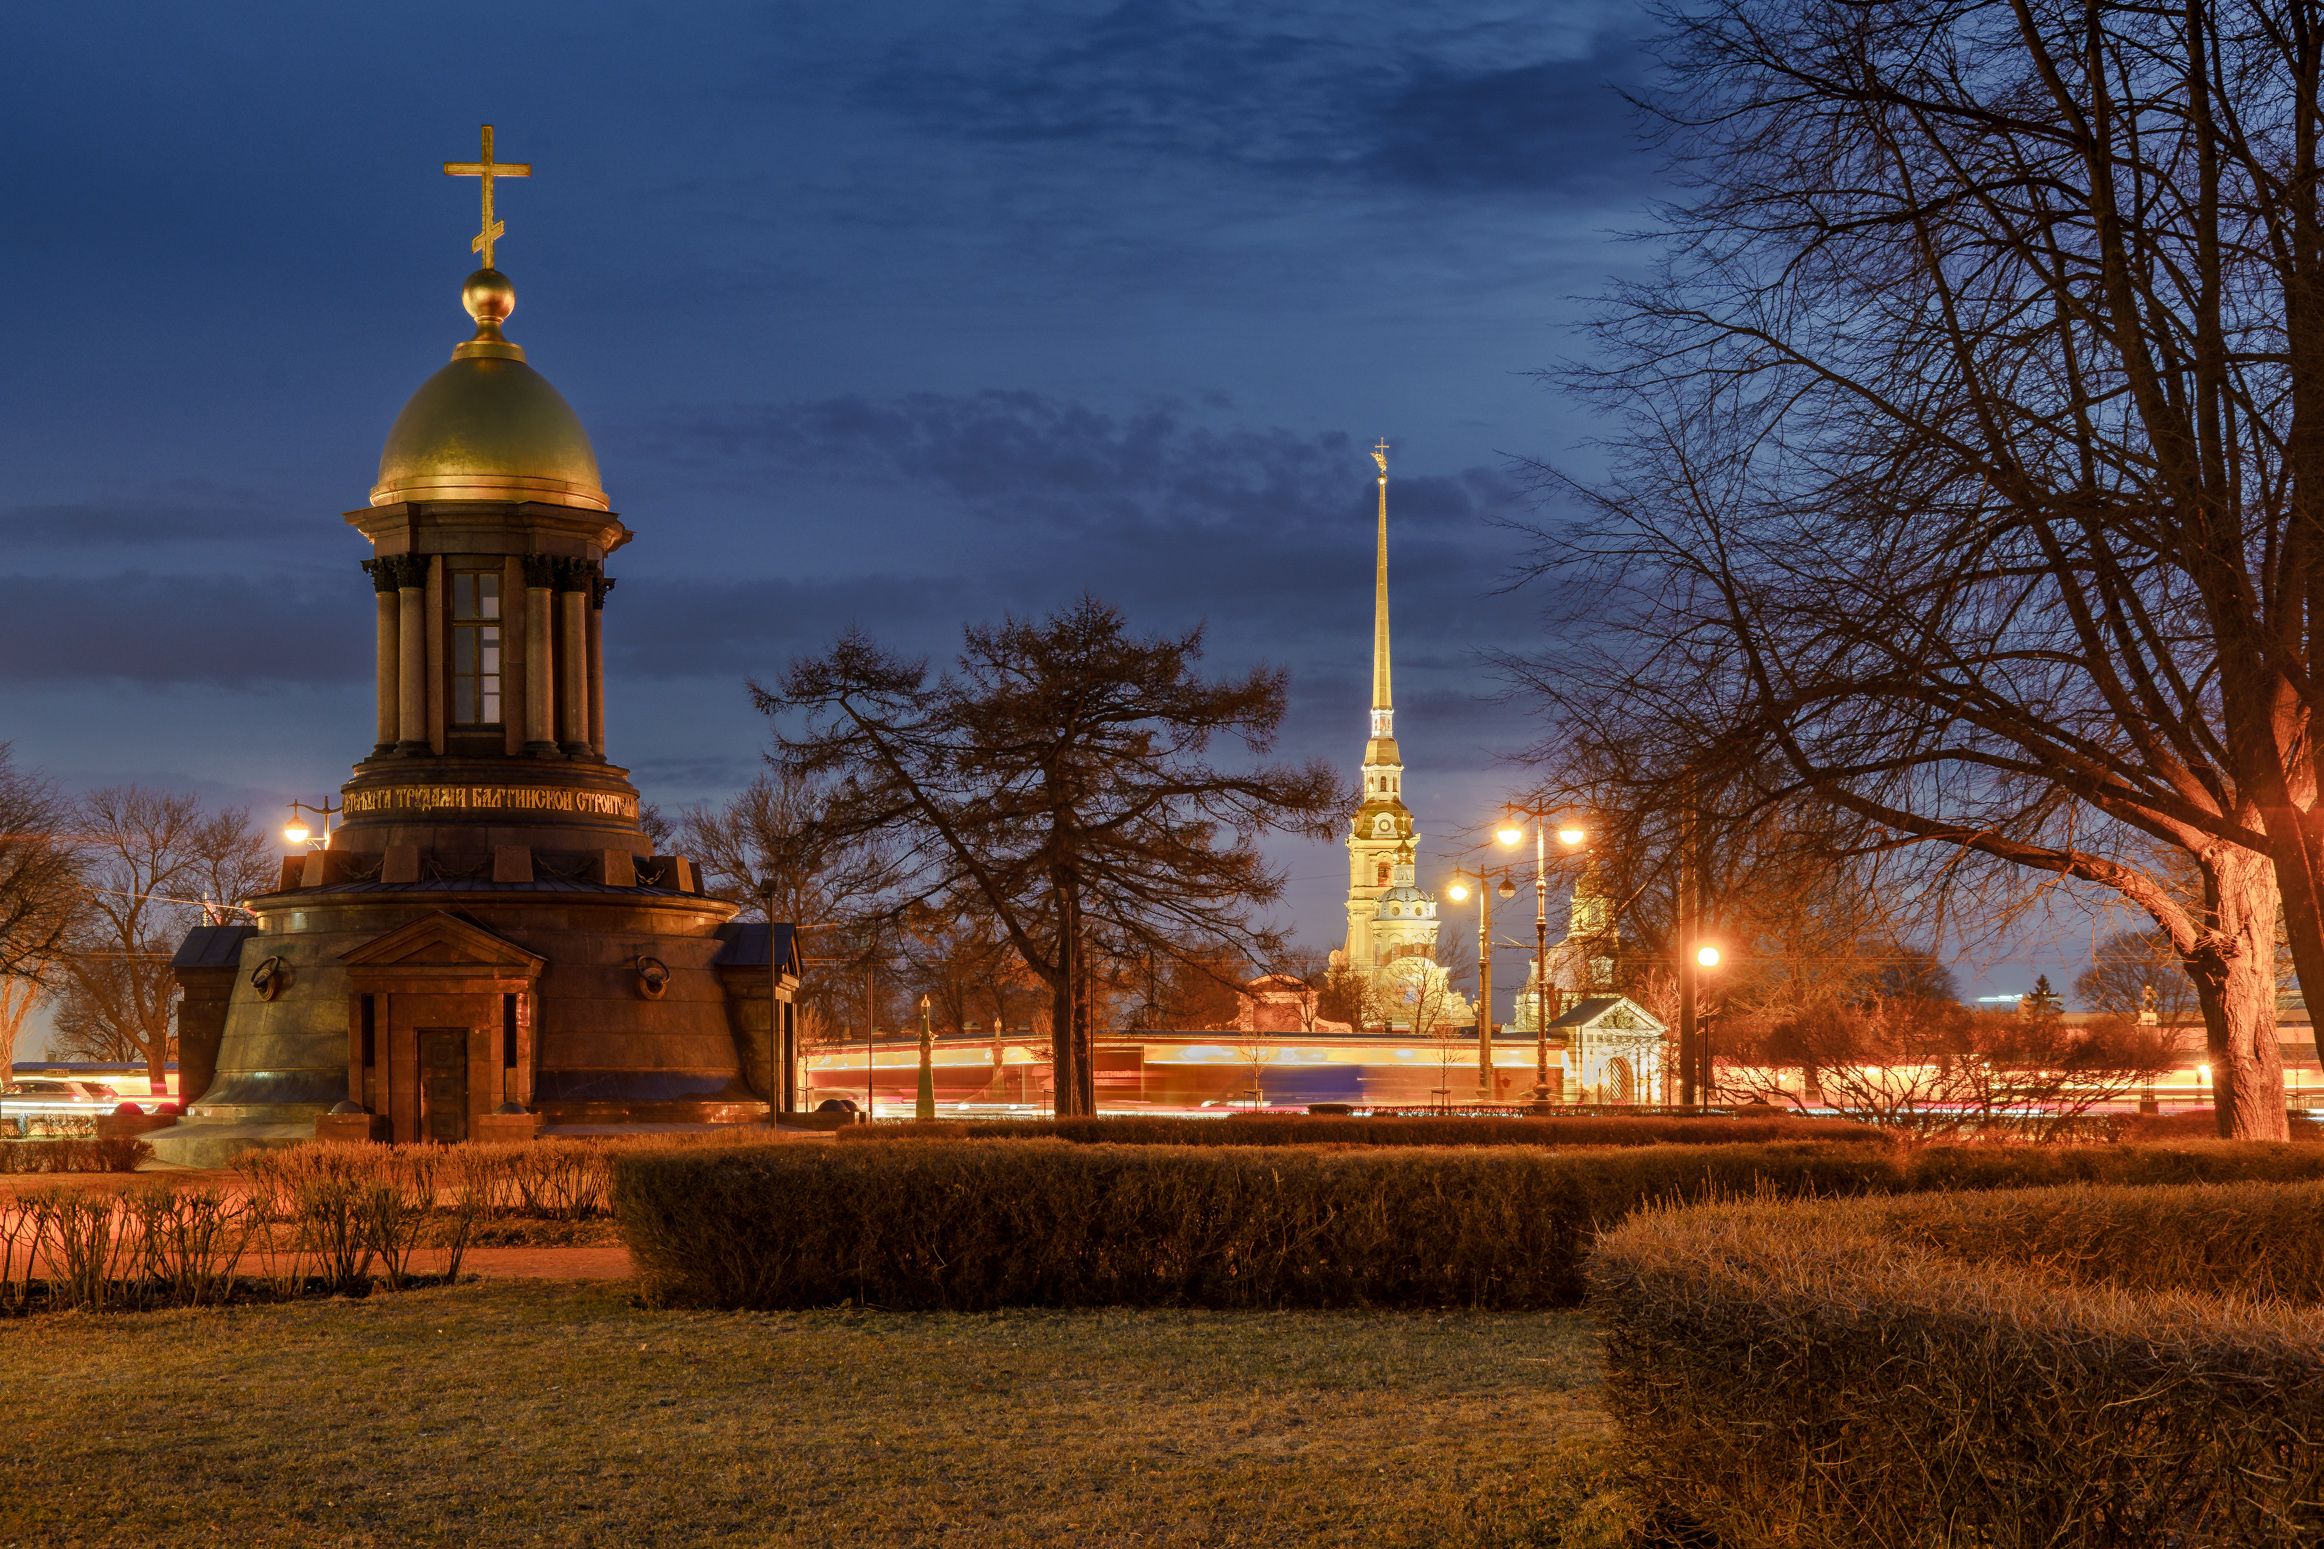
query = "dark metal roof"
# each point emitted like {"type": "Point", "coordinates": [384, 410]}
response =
{"type": "Point", "coordinates": [212, 946]}
{"type": "Point", "coordinates": [1586, 1010]}
{"type": "Point", "coordinates": [475, 885]}
{"type": "Point", "coordinates": [746, 944]}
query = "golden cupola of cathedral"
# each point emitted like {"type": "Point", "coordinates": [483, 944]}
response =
{"type": "Point", "coordinates": [488, 426]}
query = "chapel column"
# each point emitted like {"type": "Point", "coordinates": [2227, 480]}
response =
{"type": "Point", "coordinates": [513, 673]}
{"type": "Point", "coordinates": [411, 643]}
{"type": "Point", "coordinates": [390, 707]}
{"type": "Point", "coordinates": [434, 604]}
{"type": "Point", "coordinates": [599, 585]}
{"type": "Point", "coordinates": [540, 693]}
{"type": "Point", "coordinates": [573, 659]}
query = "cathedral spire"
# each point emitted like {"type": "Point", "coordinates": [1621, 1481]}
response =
{"type": "Point", "coordinates": [1383, 706]}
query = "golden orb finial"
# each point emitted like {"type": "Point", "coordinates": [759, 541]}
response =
{"type": "Point", "coordinates": [489, 298]}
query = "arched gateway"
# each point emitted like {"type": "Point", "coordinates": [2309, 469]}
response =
{"type": "Point", "coordinates": [488, 943]}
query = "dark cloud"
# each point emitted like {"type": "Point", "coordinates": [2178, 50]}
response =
{"type": "Point", "coordinates": [724, 626]}
{"type": "Point", "coordinates": [1548, 128]}
{"type": "Point", "coordinates": [1173, 511]}
{"type": "Point", "coordinates": [1016, 458]}
{"type": "Point", "coordinates": [1459, 106]}
{"type": "Point", "coordinates": [140, 523]}
{"type": "Point", "coordinates": [214, 629]}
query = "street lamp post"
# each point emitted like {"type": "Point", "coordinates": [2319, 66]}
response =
{"type": "Point", "coordinates": [297, 831]}
{"type": "Point", "coordinates": [1512, 833]}
{"type": "Point", "coordinates": [924, 1108]}
{"type": "Point", "coordinates": [780, 1070]}
{"type": "Point", "coordinates": [1695, 1024]}
{"type": "Point", "coordinates": [1458, 891]}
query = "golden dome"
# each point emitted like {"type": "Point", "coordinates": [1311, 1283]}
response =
{"type": "Point", "coordinates": [488, 426]}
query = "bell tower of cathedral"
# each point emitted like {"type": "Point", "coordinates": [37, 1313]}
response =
{"type": "Point", "coordinates": [1388, 916]}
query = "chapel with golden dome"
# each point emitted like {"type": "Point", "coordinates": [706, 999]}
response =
{"type": "Point", "coordinates": [489, 943]}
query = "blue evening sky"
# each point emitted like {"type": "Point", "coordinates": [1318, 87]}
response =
{"type": "Point", "coordinates": [901, 314]}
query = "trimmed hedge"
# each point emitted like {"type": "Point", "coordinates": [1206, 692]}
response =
{"type": "Point", "coordinates": [1293, 1129]}
{"type": "Point", "coordinates": [2061, 1367]}
{"type": "Point", "coordinates": [966, 1224]}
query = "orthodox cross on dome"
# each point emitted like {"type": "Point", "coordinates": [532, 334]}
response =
{"type": "Point", "coordinates": [489, 230]}
{"type": "Point", "coordinates": [1380, 456]}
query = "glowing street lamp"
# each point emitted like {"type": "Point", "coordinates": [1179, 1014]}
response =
{"type": "Point", "coordinates": [1511, 833]}
{"type": "Point", "coordinates": [297, 833]}
{"type": "Point", "coordinates": [1695, 1050]}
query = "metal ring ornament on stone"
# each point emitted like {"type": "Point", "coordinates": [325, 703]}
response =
{"type": "Point", "coordinates": [653, 977]}
{"type": "Point", "coordinates": [270, 978]}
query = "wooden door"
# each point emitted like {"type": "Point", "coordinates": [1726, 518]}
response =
{"type": "Point", "coordinates": [443, 1083]}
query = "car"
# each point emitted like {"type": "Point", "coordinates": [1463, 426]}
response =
{"type": "Point", "coordinates": [41, 1100]}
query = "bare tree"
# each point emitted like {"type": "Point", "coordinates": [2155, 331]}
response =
{"type": "Point", "coordinates": [955, 954]}
{"type": "Point", "coordinates": [1970, 435]}
{"type": "Point", "coordinates": [1061, 772]}
{"type": "Point", "coordinates": [39, 877]}
{"type": "Point", "coordinates": [768, 848]}
{"type": "Point", "coordinates": [19, 996]}
{"type": "Point", "coordinates": [1349, 995]}
{"type": "Point", "coordinates": [2127, 968]}
{"type": "Point", "coordinates": [1935, 1069]}
{"type": "Point", "coordinates": [152, 864]}
{"type": "Point", "coordinates": [1310, 970]}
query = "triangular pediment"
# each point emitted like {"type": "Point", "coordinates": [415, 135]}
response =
{"type": "Point", "coordinates": [1617, 1014]}
{"type": "Point", "coordinates": [444, 940]}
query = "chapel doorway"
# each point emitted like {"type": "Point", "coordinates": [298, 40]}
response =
{"type": "Point", "coordinates": [443, 1084]}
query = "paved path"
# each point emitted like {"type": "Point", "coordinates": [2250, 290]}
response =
{"type": "Point", "coordinates": [608, 1262]}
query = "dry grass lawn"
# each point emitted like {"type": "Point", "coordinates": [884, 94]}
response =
{"type": "Point", "coordinates": [561, 1414]}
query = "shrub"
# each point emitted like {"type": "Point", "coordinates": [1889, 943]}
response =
{"type": "Point", "coordinates": [118, 1154]}
{"type": "Point", "coordinates": [966, 1224]}
{"type": "Point", "coordinates": [1293, 1129]}
{"type": "Point", "coordinates": [2199, 1125]}
{"type": "Point", "coordinates": [2071, 1366]}
{"type": "Point", "coordinates": [555, 1179]}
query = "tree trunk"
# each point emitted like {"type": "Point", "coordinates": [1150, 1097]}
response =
{"type": "Point", "coordinates": [1085, 1043]}
{"type": "Point", "coordinates": [2303, 910]}
{"type": "Point", "coordinates": [1068, 1038]}
{"type": "Point", "coordinates": [2233, 967]}
{"type": "Point", "coordinates": [1063, 1085]}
